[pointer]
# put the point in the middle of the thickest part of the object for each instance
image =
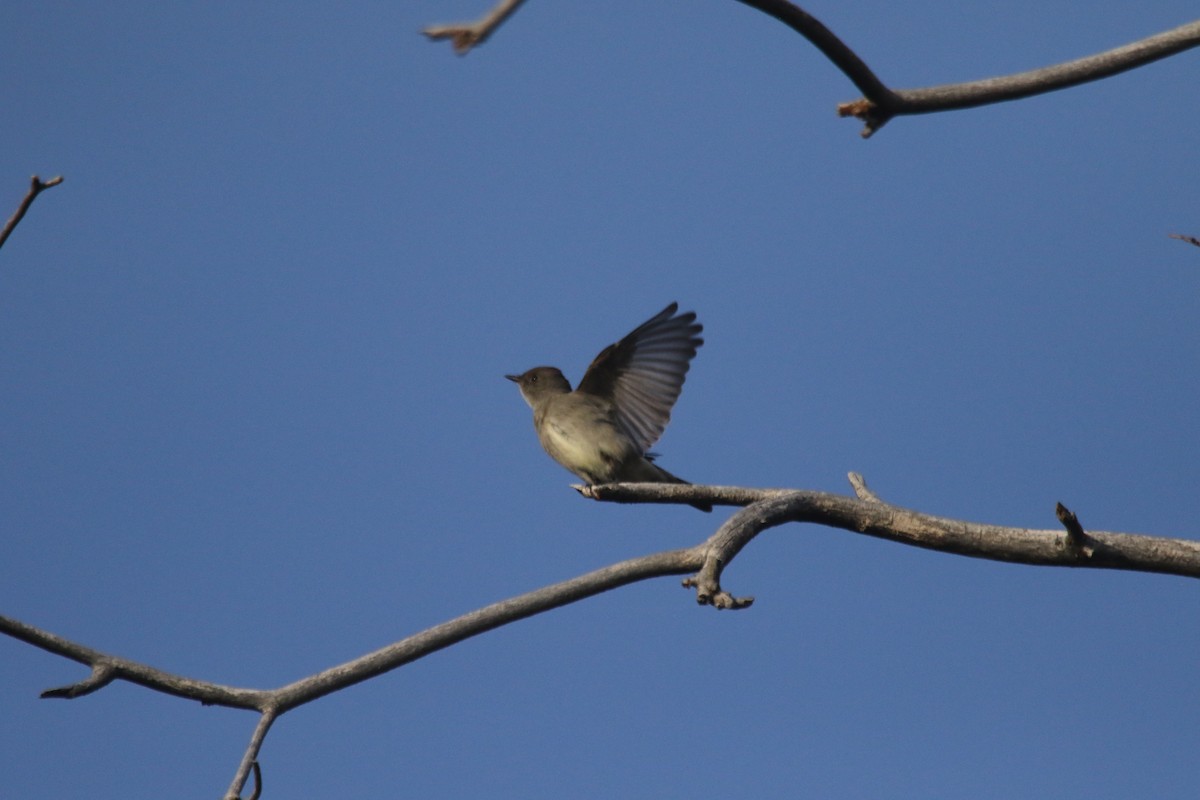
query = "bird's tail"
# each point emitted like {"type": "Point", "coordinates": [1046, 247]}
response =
{"type": "Point", "coordinates": [660, 475]}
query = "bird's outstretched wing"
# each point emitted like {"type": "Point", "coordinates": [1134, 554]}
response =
{"type": "Point", "coordinates": [643, 373]}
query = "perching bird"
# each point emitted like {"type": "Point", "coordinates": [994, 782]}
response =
{"type": "Point", "coordinates": [604, 429]}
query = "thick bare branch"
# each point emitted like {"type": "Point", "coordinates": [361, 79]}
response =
{"type": "Point", "coordinates": [995, 542]}
{"type": "Point", "coordinates": [36, 186]}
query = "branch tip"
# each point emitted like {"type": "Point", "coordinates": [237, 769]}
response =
{"type": "Point", "coordinates": [466, 35]}
{"type": "Point", "coordinates": [586, 490]}
{"type": "Point", "coordinates": [462, 37]}
{"type": "Point", "coordinates": [36, 186]}
{"type": "Point", "coordinates": [1077, 539]}
{"type": "Point", "coordinates": [102, 675]}
{"type": "Point", "coordinates": [859, 484]}
{"type": "Point", "coordinates": [857, 108]}
{"type": "Point", "coordinates": [1188, 239]}
{"type": "Point", "coordinates": [725, 601]}
{"type": "Point", "coordinates": [709, 591]}
{"type": "Point", "coordinates": [257, 780]}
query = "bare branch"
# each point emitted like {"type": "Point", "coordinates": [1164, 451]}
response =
{"type": "Point", "coordinates": [672, 562]}
{"type": "Point", "coordinates": [726, 543]}
{"type": "Point", "coordinates": [876, 111]}
{"type": "Point", "coordinates": [273, 703]}
{"type": "Point", "coordinates": [112, 668]}
{"type": "Point", "coordinates": [995, 542]}
{"type": "Point", "coordinates": [250, 759]}
{"type": "Point", "coordinates": [36, 186]}
{"type": "Point", "coordinates": [283, 699]}
{"type": "Point", "coordinates": [465, 35]}
{"type": "Point", "coordinates": [830, 45]}
{"type": "Point", "coordinates": [1188, 239]}
{"type": "Point", "coordinates": [879, 104]}
{"type": "Point", "coordinates": [706, 561]}
{"type": "Point", "coordinates": [102, 675]}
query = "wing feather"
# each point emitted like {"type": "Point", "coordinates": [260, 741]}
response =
{"type": "Point", "coordinates": [643, 373]}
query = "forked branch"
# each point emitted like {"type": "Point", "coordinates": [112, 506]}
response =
{"type": "Point", "coordinates": [36, 187]}
{"type": "Point", "coordinates": [704, 564]}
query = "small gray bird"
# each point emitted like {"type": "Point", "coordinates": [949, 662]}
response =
{"type": "Point", "coordinates": [603, 430]}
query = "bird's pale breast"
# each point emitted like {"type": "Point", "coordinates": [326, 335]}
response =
{"type": "Point", "coordinates": [581, 434]}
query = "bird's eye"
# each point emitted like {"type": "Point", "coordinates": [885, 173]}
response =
{"type": "Point", "coordinates": [533, 378]}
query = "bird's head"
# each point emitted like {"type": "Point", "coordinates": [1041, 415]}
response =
{"type": "Point", "coordinates": [540, 382]}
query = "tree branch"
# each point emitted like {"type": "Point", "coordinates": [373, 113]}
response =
{"type": "Point", "coordinates": [275, 702]}
{"type": "Point", "coordinates": [250, 759]}
{"type": "Point", "coordinates": [876, 111]}
{"type": "Point", "coordinates": [465, 35]}
{"type": "Point", "coordinates": [36, 186]}
{"type": "Point", "coordinates": [879, 104]}
{"type": "Point", "coordinates": [706, 561]}
{"type": "Point", "coordinates": [112, 668]}
{"type": "Point", "coordinates": [873, 517]}
{"type": "Point", "coordinates": [830, 46]}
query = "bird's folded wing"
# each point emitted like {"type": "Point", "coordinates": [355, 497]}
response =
{"type": "Point", "coordinates": [643, 373]}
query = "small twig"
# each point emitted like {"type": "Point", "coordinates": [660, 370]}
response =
{"type": "Point", "coordinates": [861, 490]}
{"type": "Point", "coordinates": [1071, 522]}
{"type": "Point", "coordinates": [465, 35]}
{"type": "Point", "coordinates": [250, 758]}
{"type": "Point", "coordinates": [1077, 540]}
{"type": "Point", "coordinates": [102, 675]}
{"type": "Point", "coordinates": [107, 668]}
{"type": "Point", "coordinates": [36, 186]}
{"type": "Point", "coordinates": [1188, 239]}
{"type": "Point", "coordinates": [257, 781]}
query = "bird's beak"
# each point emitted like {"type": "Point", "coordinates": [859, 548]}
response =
{"type": "Point", "coordinates": [514, 378]}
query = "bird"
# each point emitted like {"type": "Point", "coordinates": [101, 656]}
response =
{"type": "Point", "coordinates": [602, 431]}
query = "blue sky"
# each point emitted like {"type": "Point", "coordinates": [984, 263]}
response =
{"type": "Point", "coordinates": [253, 421]}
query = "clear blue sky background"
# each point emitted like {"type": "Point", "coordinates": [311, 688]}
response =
{"type": "Point", "coordinates": [253, 421]}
